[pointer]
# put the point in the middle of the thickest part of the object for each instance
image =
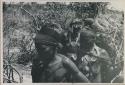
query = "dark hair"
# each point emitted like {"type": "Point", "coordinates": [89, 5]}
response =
{"type": "Point", "coordinates": [47, 29]}
{"type": "Point", "coordinates": [89, 21]}
{"type": "Point", "coordinates": [88, 34]}
{"type": "Point", "coordinates": [76, 21]}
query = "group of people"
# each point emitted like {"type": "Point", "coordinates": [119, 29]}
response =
{"type": "Point", "coordinates": [69, 55]}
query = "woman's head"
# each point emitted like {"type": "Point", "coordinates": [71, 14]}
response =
{"type": "Point", "coordinates": [46, 46]}
{"type": "Point", "coordinates": [87, 39]}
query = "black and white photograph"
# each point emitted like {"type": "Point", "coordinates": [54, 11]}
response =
{"type": "Point", "coordinates": [62, 42]}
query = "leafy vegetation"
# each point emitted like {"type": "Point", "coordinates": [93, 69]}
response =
{"type": "Point", "coordinates": [22, 20]}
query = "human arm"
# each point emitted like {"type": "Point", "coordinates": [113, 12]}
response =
{"type": "Point", "coordinates": [77, 74]}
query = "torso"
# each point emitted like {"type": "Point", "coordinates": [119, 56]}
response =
{"type": "Point", "coordinates": [90, 66]}
{"type": "Point", "coordinates": [54, 72]}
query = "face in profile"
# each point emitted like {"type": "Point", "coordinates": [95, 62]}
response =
{"type": "Point", "coordinates": [87, 39]}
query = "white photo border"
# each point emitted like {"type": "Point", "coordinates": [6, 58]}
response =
{"type": "Point", "coordinates": [121, 4]}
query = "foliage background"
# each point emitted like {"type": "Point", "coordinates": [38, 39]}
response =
{"type": "Point", "coordinates": [22, 20]}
